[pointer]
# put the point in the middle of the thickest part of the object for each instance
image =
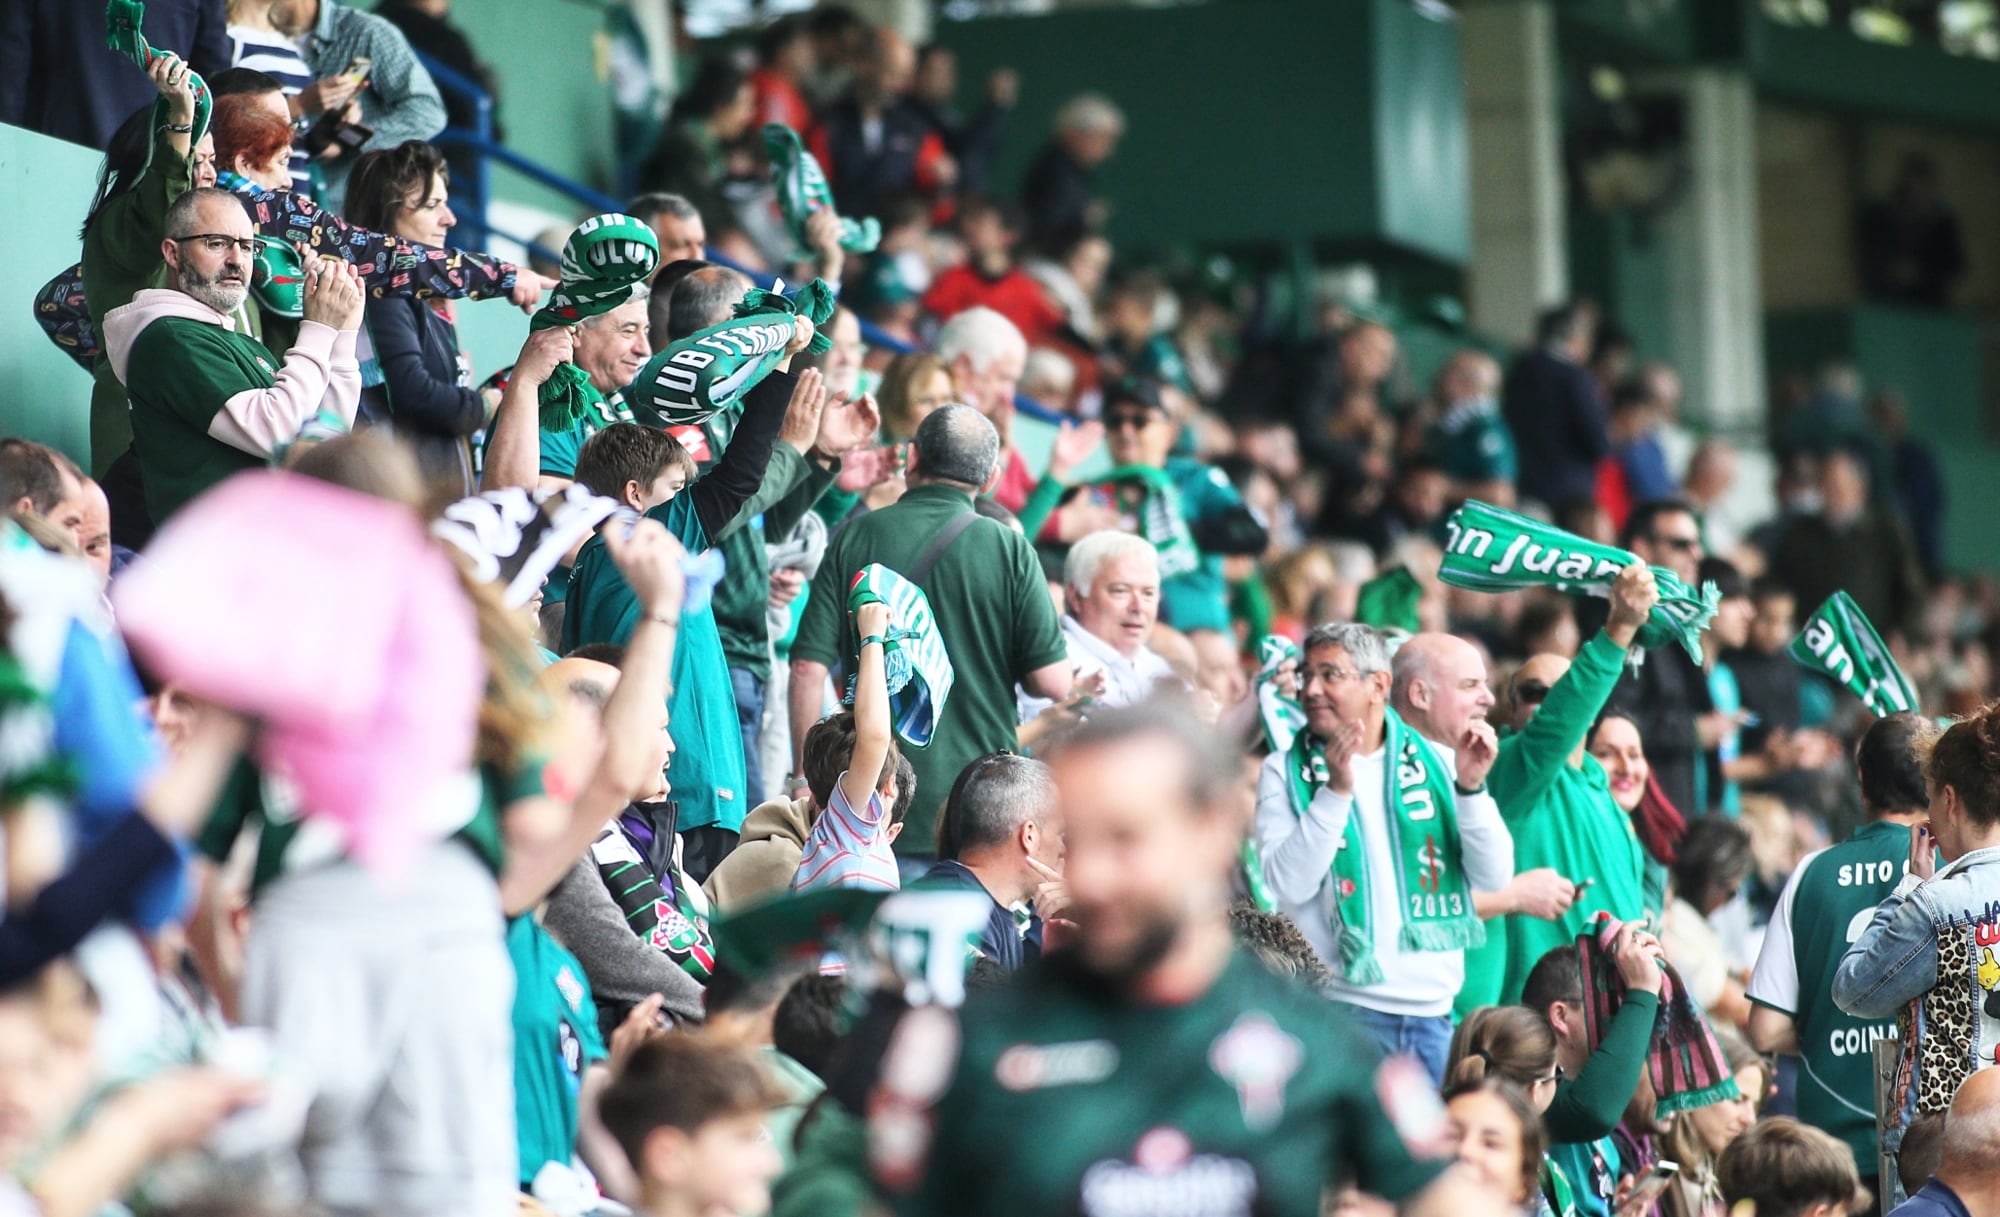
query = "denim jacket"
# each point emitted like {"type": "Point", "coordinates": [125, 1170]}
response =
{"type": "Point", "coordinates": [1929, 957]}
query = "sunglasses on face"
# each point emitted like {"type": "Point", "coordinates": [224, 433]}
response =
{"type": "Point", "coordinates": [1136, 421]}
{"type": "Point", "coordinates": [1685, 545]}
{"type": "Point", "coordinates": [1530, 692]}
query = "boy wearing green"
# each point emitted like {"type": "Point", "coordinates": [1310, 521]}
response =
{"type": "Point", "coordinates": [1556, 799]}
{"type": "Point", "coordinates": [1162, 1069]}
{"type": "Point", "coordinates": [1827, 901]}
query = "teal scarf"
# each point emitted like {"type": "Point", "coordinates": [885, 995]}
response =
{"type": "Point", "coordinates": [1282, 716]}
{"type": "Point", "coordinates": [914, 658]}
{"type": "Point", "coordinates": [603, 260]}
{"type": "Point", "coordinates": [122, 22]}
{"type": "Point", "coordinates": [802, 190]}
{"type": "Point", "coordinates": [710, 370]}
{"type": "Point", "coordinates": [1839, 642]}
{"type": "Point", "coordinates": [1161, 520]}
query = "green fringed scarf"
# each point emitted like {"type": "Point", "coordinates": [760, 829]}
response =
{"type": "Point", "coordinates": [1422, 813]}
{"type": "Point", "coordinates": [1840, 642]}
{"type": "Point", "coordinates": [1491, 550]}
{"type": "Point", "coordinates": [803, 190]}
{"type": "Point", "coordinates": [602, 261]}
{"type": "Point", "coordinates": [1282, 716]}
{"type": "Point", "coordinates": [710, 370]}
{"type": "Point", "coordinates": [1160, 518]}
{"type": "Point", "coordinates": [915, 663]}
{"type": "Point", "coordinates": [122, 22]}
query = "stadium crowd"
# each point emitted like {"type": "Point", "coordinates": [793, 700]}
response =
{"type": "Point", "coordinates": [741, 757]}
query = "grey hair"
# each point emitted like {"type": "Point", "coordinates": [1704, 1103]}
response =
{"type": "Point", "coordinates": [646, 206]}
{"type": "Point", "coordinates": [641, 292]}
{"type": "Point", "coordinates": [703, 298]}
{"type": "Point", "coordinates": [1090, 113]}
{"type": "Point", "coordinates": [1364, 644]}
{"type": "Point", "coordinates": [1087, 557]}
{"type": "Point", "coordinates": [181, 213]}
{"type": "Point", "coordinates": [982, 336]}
{"type": "Point", "coordinates": [998, 794]}
{"type": "Point", "coordinates": [956, 443]}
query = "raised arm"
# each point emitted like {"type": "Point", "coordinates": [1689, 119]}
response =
{"type": "Point", "coordinates": [871, 708]}
{"type": "Point", "coordinates": [514, 450]}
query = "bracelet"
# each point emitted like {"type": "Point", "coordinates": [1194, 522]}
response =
{"type": "Point", "coordinates": [863, 644]}
{"type": "Point", "coordinates": [1479, 789]}
{"type": "Point", "coordinates": [822, 457]}
{"type": "Point", "coordinates": [178, 128]}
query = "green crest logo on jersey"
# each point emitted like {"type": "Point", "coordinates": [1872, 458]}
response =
{"type": "Point", "coordinates": [1257, 1058]}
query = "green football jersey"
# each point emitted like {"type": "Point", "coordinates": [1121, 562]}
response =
{"type": "Point", "coordinates": [1068, 1098]}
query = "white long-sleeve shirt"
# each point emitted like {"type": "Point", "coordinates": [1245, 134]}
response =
{"type": "Point", "coordinates": [1298, 851]}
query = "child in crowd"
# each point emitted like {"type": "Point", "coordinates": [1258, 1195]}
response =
{"type": "Point", "coordinates": [850, 767]}
{"type": "Point", "coordinates": [689, 1112]}
{"type": "Point", "coordinates": [1497, 1134]}
{"type": "Point", "coordinates": [1789, 1169]}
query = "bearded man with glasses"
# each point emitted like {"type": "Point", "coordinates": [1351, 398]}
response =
{"type": "Point", "coordinates": [206, 400]}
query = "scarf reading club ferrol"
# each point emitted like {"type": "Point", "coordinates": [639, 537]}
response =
{"type": "Point", "coordinates": [1490, 550]}
{"type": "Point", "coordinates": [914, 659]}
{"type": "Point", "coordinates": [710, 370]}
{"type": "Point", "coordinates": [602, 261]}
{"type": "Point", "coordinates": [1421, 809]}
{"type": "Point", "coordinates": [802, 190]}
{"type": "Point", "coordinates": [1159, 515]}
{"type": "Point", "coordinates": [122, 22]}
{"type": "Point", "coordinates": [1839, 641]}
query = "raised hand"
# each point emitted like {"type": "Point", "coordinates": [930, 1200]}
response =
{"type": "Point", "coordinates": [1340, 753]}
{"type": "Point", "coordinates": [1075, 444]}
{"type": "Point", "coordinates": [800, 428]}
{"type": "Point", "coordinates": [542, 353]}
{"type": "Point", "coordinates": [845, 426]}
{"type": "Point", "coordinates": [1476, 752]}
{"type": "Point", "coordinates": [1633, 596]}
{"type": "Point", "coordinates": [172, 76]}
{"type": "Point", "coordinates": [650, 559]}
{"type": "Point", "coordinates": [871, 620]}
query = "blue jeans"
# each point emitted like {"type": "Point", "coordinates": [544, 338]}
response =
{"type": "Point", "coordinates": [1427, 1038]}
{"type": "Point", "coordinates": [750, 721]}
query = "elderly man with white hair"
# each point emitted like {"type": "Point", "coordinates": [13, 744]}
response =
{"type": "Point", "coordinates": [1057, 192]}
{"type": "Point", "coordinates": [986, 355]}
{"type": "Point", "coordinates": [1111, 582]}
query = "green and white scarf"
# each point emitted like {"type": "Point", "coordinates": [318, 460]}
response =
{"type": "Point", "coordinates": [122, 22]}
{"type": "Point", "coordinates": [1282, 716]}
{"type": "Point", "coordinates": [1159, 513]}
{"type": "Point", "coordinates": [603, 260]}
{"type": "Point", "coordinates": [1421, 809]}
{"type": "Point", "coordinates": [1839, 642]}
{"type": "Point", "coordinates": [710, 370]}
{"type": "Point", "coordinates": [802, 190]}
{"type": "Point", "coordinates": [914, 658]}
{"type": "Point", "coordinates": [1491, 550]}
{"type": "Point", "coordinates": [1252, 861]}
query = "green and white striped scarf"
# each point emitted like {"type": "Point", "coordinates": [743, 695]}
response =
{"type": "Point", "coordinates": [603, 260]}
{"type": "Point", "coordinates": [710, 370]}
{"type": "Point", "coordinates": [1421, 809]}
{"type": "Point", "coordinates": [1840, 642]}
{"type": "Point", "coordinates": [802, 190]}
{"type": "Point", "coordinates": [914, 657]}
{"type": "Point", "coordinates": [1491, 550]}
{"type": "Point", "coordinates": [122, 22]}
{"type": "Point", "coordinates": [1282, 716]}
{"type": "Point", "coordinates": [1159, 513]}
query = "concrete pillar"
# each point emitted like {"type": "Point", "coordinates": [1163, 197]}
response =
{"type": "Point", "coordinates": [1715, 290]}
{"type": "Point", "coordinates": [1520, 256]}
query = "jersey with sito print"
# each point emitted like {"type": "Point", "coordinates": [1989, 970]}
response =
{"type": "Point", "coordinates": [1251, 1099]}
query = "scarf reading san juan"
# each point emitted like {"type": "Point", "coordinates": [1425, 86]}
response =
{"type": "Point", "coordinates": [1839, 642]}
{"type": "Point", "coordinates": [603, 260]}
{"type": "Point", "coordinates": [1421, 810]}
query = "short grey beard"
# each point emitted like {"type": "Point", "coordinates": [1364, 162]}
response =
{"type": "Point", "coordinates": [214, 295]}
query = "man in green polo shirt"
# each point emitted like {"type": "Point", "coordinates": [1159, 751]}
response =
{"type": "Point", "coordinates": [1150, 1066]}
{"type": "Point", "coordinates": [985, 588]}
{"type": "Point", "coordinates": [1825, 905]}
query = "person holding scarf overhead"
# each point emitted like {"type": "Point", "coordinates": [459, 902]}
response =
{"type": "Point", "coordinates": [1373, 840]}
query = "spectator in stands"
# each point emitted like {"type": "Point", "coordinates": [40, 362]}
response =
{"type": "Point", "coordinates": [1967, 1180]}
{"type": "Point", "coordinates": [972, 142]}
{"type": "Point", "coordinates": [1073, 276]}
{"type": "Point", "coordinates": [712, 112]}
{"type": "Point", "coordinates": [258, 43]}
{"type": "Point", "coordinates": [1002, 835]}
{"type": "Point", "coordinates": [399, 102]}
{"type": "Point", "coordinates": [1644, 455]}
{"type": "Point", "coordinates": [415, 377]}
{"type": "Point", "coordinates": [1767, 677]}
{"type": "Point", "coordinates": [610, 348]}
{"type": "Point", "coordinates": [784, 65]}
{"type": "Point", "coordinates": [1917, 484]}
{"type": "Point", "coordinates": [986, 355]}
{"type": "Point", "coordinates": [1726, 763]}
{"type": "Point", "coordinates": [1851, 546]}
{"type": "Point", "coordinates": [914, 385]}
{"type": "Point", "coordinates": [1111, 589]}
{"type": "Point", "coordinates": [1059, 191]}
{"type": "Point", "coordinates": [989, 277]}
{"type": "Point", "coordinates": [873, 144]}
{"type": "Point", "coordinates": [58, 77]}
{"type": "Point", "coordinates": [427, 26]}
{"type": "Point", "coordinates": [1134, 343]}
{"type": "Point", "coordinates": [1628, 425]}
{"type": "Point", "coordinates": [1049, 379]}
{"type": "Point", "coordinates": [677, 224]}
{"type": "Point", "coordinates": [840, 42]}
{"type": "Point", "coordinates": [1470, 440]}
{"type": "Point", "coordinates": [1789, 1169]}
{"type": "Point", "coordinates": [1406, 1006]}
{"type": "Point", "coordinates": [1710, 482]}
{"type": "Point", "coordinates": [206, 401]}
{"type": "Point", "coordinates": [1498, 1138]}
{"type": "Point", "coordinates": [1700, 1135]}
{"type": "Point", "coordinates": [1908, 244]}
{"type": "Point", "coordinates": [985, 588]}
{"type": "Point", "coordinates": [1928, 943]}
{"type": "Point", "coordinates": [1709, 868]}
{"type": "Point", "coordinates": [851, 767]}
{"type": "Point", "coordinates": [1414, 507]}
{"type": "Point", "coordinates": [1553, 408]}
{"type": "Point", "coordinates": [1829, 892]}
{"type": "Point", "coordinates": [38, 480]}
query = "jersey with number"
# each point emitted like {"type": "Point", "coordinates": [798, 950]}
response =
{"type": "Point", "coordinates": [1825, 906]}
{"type": "Point", "coordinates": [1248, 1100]}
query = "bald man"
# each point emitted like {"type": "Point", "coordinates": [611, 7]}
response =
{"type": "Point", "coordinates": [1556, 800]}
{"type": "Point", "coordinates": [1967, 1182]}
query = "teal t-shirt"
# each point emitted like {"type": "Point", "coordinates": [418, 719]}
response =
{"type": "Point", "coordinates": [707, 769]}
{"type": "Point", "coordinates": [1592, 1168]}
{"type": "Point", "coordinates": [555, 1040]}
{"type": "Point", "coordinates": [1199, 599]}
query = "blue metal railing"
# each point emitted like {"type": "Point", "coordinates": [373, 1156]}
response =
{"type": "Point", "coordinates": [478, 194]}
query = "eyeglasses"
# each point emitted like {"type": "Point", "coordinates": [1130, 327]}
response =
{"type": "Point", "coordinates": [1557, 1076]}
{"type": "Point", "coordinates": [1530, 692]}
{"type": "Point", "coordinates": [1685, 545]}
{"type": "Point", "coordinates": [215, 243]}
{"type": "Point", "coordinates": [1138, 422]}
{"type": "Point", "coordinates": [1328, 675]}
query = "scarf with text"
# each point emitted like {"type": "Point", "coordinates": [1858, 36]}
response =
{"type": "Point", "coordinates": [122, 22]}
{"type": "Point", "coordinates": [1839, 642]}
{"type": "Point", "coordinates": [1282, 716]}
{"type": "Point", "coordinates": [802, 190]}
{"type": "Point", "coordinates": [710, 370]}
{"type": "Point", "coordinates": [1685, 1062]}
{"type": "Point", "coordinates": [515, 537]}
{"type": "Point", "coordinates": [1491, 550]}
{"type": "Point", "coordinates": [1421, 810]}
{"type": "Point", "coordinates": [914, 658]}
{"type": "Point", "coordinates": [603, 260]}
{"type": "Point", "coordinates": [1159, 515]}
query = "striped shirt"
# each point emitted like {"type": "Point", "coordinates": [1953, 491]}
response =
{"type": "Point", "coordinates": [848, 848]}
{"type": "Point", "coordinates": [279, 57]}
